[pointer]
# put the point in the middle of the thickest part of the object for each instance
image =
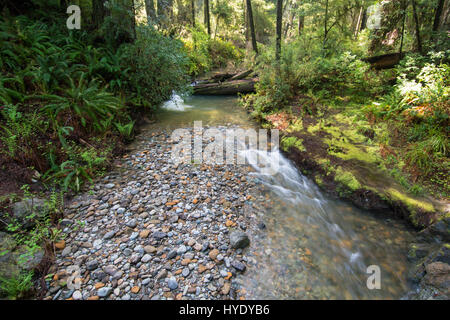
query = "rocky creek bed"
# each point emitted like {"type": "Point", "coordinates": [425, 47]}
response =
{"type": "Point", "coordinates": [155, 230]}
{"type": "Point", "coordinates": [152, 229]}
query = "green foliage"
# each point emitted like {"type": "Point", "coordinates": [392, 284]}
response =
{"type": "Point", "coordinates": [86, 100]}
{"type": "Point", "coordinates": [19, 131]}
{"type": "Point", "coordinates": [206, 54]}
{"type": "Point", "coordinates": [125, 130]}
{"type": "Point", "coordinates": [17, 286]}
{"type": "Point", "coordinates": [81, 166]}
{"type": "Point", "coordinates": [157, 66]}
{"type": "Point", "coordinates": [292, 142]}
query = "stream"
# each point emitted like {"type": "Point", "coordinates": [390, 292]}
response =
{"type": "Point", "coordinates": [312, 246]}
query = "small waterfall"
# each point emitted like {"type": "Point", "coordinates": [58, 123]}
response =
{"type": "Point", "coordinates": [176, 103]}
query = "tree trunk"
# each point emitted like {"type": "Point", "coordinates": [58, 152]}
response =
{"type": "Point", "coordinates": [358, 22]}
{"type": "Point", "coordinates": [405, 6]}
{"type": "Point", "coordinates": [416, 19]}
{"type": "Point", "coordinates": [301, 25]}
{"type": "Point", "coordinates": [98, 13]}
{"type": "Point", "coordinates": [226, 88]}
{"type": "Point", "coordinates": [437, 16]}
{"type": "Point", "coordinates": [251, 23]}
{"type": "Point", "coordinates": [150, 9]}
{"type": "Point", "coordinates": [279, 26]}
{"type": "Point", "coordinates": [207, 17]}
{"type": "Point", "coordinates": [133, 19]}
{"type": "Point", "coordinates": [193, 12]}
{"type": "Point", "coordinates": [247, 33]}
{"type": "Point", "coordinates": [325, 34]}
{"type": "Point", "coordinates": [363, 21]}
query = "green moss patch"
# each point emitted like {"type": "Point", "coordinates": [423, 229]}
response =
{"type": "Point", "coordinates": [347, 179]}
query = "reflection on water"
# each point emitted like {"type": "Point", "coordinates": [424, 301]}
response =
{"type": "Point", "coordinates": [210, 110]}
{"type": "Point", "coordinates": [313, 247]}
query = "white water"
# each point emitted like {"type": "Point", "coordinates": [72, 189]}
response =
{"type": "Point", "coordinates": [333, 232]}
{"type": "Point", "coordinates": [176, 103]}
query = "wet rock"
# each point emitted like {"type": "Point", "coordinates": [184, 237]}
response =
{"type": "Point", "coordinates": [109, 235]}
{"type": "Point", "coordinates": [92, 265]}
{"type": "Point", "coordinates": [239, 239]}
{"type": "Point", "coordinates": [238, 266]}
{"type": "Point", "coordinates": [172, 283]}
{"type": "Point", "coordinates": [104, 292]}
{"type": "Point", "coordinates": [24, 209]}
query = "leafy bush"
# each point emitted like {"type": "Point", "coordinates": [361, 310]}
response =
{"type": "Point", "coordinates": [157, 66]}
{"type": "Point", "coordinates": [16, 286]}
{"type": "Point", "coordinates": [206, 54]}
{"type": "Point", "coordinates": [86, 100]}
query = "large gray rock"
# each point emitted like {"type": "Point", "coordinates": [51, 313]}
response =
{"type": "Point", "coordinates": [8, 264]}
{"type": "Point", "coordinates": [239, 239]}
{"type": "Point", "coordinates": [14, 258]}
{"type": "Point", "coordinates": [22, 211]}
{"type": "Point", "coordinates": [30, 260]}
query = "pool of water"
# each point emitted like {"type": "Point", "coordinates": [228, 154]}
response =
{"type": "Point", "coordinates": [313, 247]}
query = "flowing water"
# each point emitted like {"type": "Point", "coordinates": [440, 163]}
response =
{"type": "Point", "coordinates": [313, 247]}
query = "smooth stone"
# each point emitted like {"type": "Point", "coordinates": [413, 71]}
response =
{"type": "Point", "coordinates": [172, 283]}
{"type": "Point", "coordinates": [239, 240]}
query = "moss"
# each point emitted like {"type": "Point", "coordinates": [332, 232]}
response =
{"type": "Point", "coordinates": [289, 142]}
{"type": "Point", "coordinates": [346, 141]}
{"type": "Point", "coordinates": [345, 150]}
{"type": "Point", "coordinates": [347, 179]}
{"type": "Point", "coordinates": [411, 203]}
{"type": "Point", "coordinates": [318, 180]}
{"type": "Point", "coordinates": [296, 126]}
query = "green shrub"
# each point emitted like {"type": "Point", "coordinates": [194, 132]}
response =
{"type": "Point", "coordinates": [206, 54]}
{"type": "Point", "coordinates": [86, 100]}
{"type": "Point", "coordinates": [157, 66]}
{"type": "Point", "coordinates": [16, 286]}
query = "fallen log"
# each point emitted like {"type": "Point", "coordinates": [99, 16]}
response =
{"type": "Point", "coordinates": [226, 88]}
{"type": "Point", "coordinates": [241, 75]}
{"type": "Point", "coordinates": [385, 61]}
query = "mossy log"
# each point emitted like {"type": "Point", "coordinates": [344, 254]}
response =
{"type": "Point", "coordinates": [385, 61]}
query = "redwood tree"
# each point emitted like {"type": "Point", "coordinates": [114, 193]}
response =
{"type": "Point", "coordinates": [251, 24]}
{"type": "Point", "coordinates": [279, 27]}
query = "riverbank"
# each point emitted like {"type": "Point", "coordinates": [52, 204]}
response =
{"type": "Point", "coordinates": [337, 150]}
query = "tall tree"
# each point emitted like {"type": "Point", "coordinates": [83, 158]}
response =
{"type": "Point", "coordinates": [437, 15]}
{"type": "Point", "coordinates": [193, 12]}
{"type": "Point", "coordinates": [326, 30]}
{"type": "Point", "coordinates": [165, 12]}
{"type": "Point", "coordinates": [133, 18]}
{"type": "Point", "coordinates": [150, 9]}
{"type": "Point", "coordinates": [301, 24]}
{"type": "Point", "coordinates": [98, 12]}
{"type": "Point", "coordinates": [416, 20]}
{"type": "Point", "coordinates": [404, 7]}
{"type": "Point", "coordinates": [361, 11]}
{"type": "Point", "coordinates": [207, 16]}
{"type": "Point", "coordinates": [251, 23]}
{"type": "Point", "coordinates": [279, 27]}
